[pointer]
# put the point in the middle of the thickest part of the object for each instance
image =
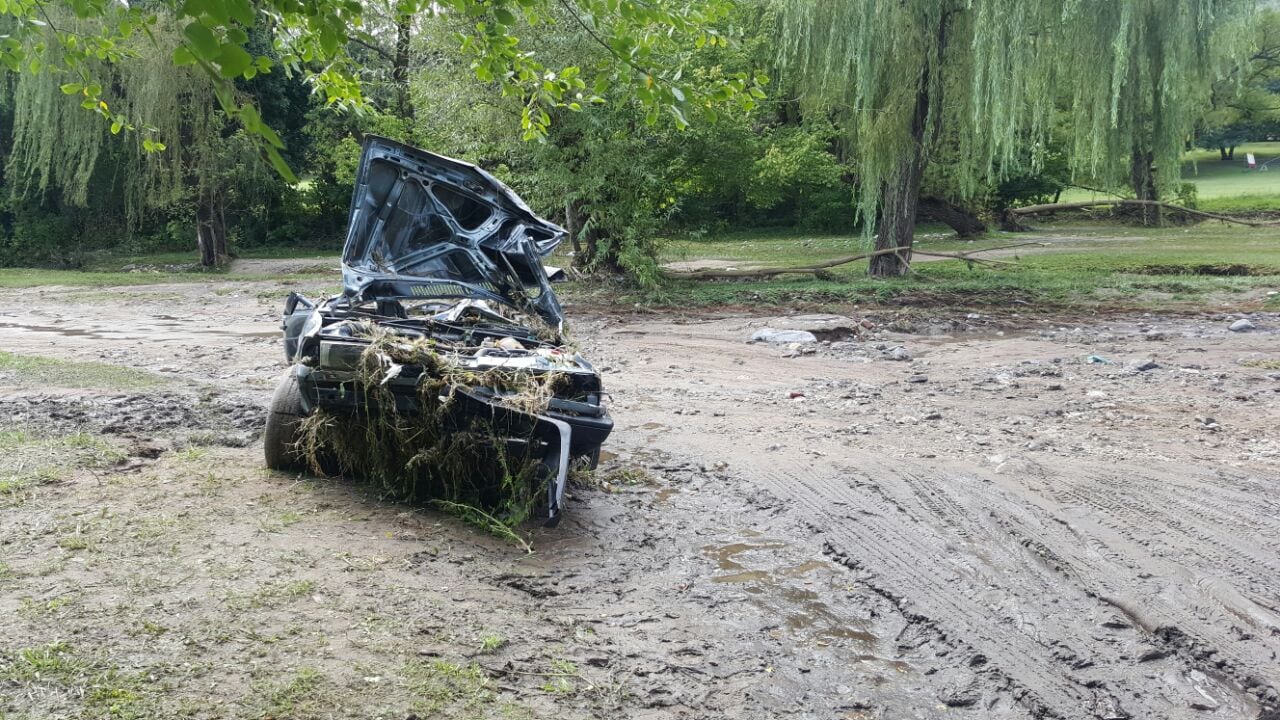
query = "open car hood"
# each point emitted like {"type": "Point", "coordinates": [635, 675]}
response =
{"type": "Point", "coordinates": [426, 226]}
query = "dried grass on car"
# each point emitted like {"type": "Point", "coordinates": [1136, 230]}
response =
{"type": "Point", "coordinates": [460, 463]}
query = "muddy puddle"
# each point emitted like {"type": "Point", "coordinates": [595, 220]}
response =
{"type": "Point", "coordinates": [794, 594]}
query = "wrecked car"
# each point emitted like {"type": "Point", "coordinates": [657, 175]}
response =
{"type": "Point", "coordinates": [446, 347]}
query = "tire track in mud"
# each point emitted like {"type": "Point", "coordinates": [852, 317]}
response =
{"type": "Point", "coordinates": [1200, 519]}
{"type": "Point", "coordinates": [942, 551]}
{"type": "Point", "coordinates": [1180, 581]}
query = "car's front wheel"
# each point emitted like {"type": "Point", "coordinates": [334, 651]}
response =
{"type": "Point", "coordinates": [284, 417]}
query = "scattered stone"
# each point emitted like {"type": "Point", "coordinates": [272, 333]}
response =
{"type": "Point", "coordinates": [1145, 366]}
{"type": "Point", "coordinates": [796, 349]}
{"type": "Point", "coordinates": [959, 696]}
{"type": "Point", "coordinates": [918, 379]}
{"type": "Point", "coordinates": [899, 354]}
{"type": "Point", "coordinates": [1096, 395]}
{"type": "Point", "coordinates": [1055, 386]}
{"type": "Point", "coordinates": [783, 337]}
{"type": "Point", "coordinates": [1153, 654]}
{"type": "Point", "coordinates": [1242, 325]}
{"type": "Point", "coordinates": [933, 416]}
{"type": "Point", "coordinates": [794, 394]}
{"type": "Point", "coordinates": [1205, 705]}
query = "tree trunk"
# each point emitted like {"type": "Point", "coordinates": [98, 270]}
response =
{"type": "Point", "coordinates": [898, 206]}
{"type": "Point", "coordinates": [965, 223]}
{"type": "Point", "coordinates": [900, 196]}
{"type": "Point", "coordinates": [400, 68]}
{"type": "Point", "coordinates": [571, 224]}
{"type": "Point", "coordinates": [1222, 153]}
{"type": "Point", "coordinates": [1231, 153]}
{"type": "Point", "coordinates": [1142, 176]}
{"type": "Point", "coordinates": [211, 233]}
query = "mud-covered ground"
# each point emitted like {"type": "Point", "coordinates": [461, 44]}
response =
{"type": "Point", "coordinates": [922, 515]}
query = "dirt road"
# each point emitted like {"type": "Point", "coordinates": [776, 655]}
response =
{"type": "Point", "coordinates": [951, 515]}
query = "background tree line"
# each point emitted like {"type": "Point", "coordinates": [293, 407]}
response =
{"type": "Point", "coordinates": [892, 111]}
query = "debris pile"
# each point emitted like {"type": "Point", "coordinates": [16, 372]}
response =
{"type": "Point", "coordinates": [462, 461]}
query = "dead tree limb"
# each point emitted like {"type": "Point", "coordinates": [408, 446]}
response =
{"type": "Point", "coordinates": [758, 273]}
{"type": "Point", "coordinates": [1051, 207]}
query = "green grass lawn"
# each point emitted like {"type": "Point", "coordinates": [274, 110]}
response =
{"type": "Point", "coordinates": [1223, 186]}
{"type": "Point", "coordinates": [1082, 265]}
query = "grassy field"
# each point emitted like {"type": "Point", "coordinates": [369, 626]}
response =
{"type": "Point", "coordinates": [1224, 186]}
{"type": "Point", "coordinates": [1078, 265]}
{"type": "Point", "coordinates": [1073, 265]}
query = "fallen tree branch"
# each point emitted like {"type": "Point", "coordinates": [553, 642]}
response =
{"type": "Point", "coordinates": [967, 256]}
{"type": "Point", "coordinates": [1052, 207]}
{"type": "Point", "coordinates": [1096, 190]}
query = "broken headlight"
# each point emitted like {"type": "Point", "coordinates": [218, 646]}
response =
{"type": "Point", "coordinates": [340, 355]}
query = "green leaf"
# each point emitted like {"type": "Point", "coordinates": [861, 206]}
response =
{"type": "Point", "coordinates": [70, 88]}
{"type": "Point", "coordinates": [182, 56]}
{"type": "Point", "coordinates": [233, 61]}
{"type": "Point", "coordinates": [504, 16]}
{"type": "Point", "coordinates": [202, 39]}
{"type": "Point", "coordinates": [281, 167]}
{"type": "Point", "coordinates": [241, 11]}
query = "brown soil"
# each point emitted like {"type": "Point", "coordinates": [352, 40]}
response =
{"type": "Point", "coordinates": [994, 527]}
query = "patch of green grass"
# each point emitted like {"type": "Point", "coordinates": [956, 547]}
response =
{"type": "Point", "coordinates": [29, 460]}
{"type": "Point", "coordinates": [190, 259]}
{"type": "Point", "coordinates": [271, 594]}
{"type": "Point", "coordinates": [1241, 203]}
{"type": "Point", "coordinates": [43, 371]}
{"type": "Point", "coordinates": [780, 248]}
{"type": "Point", "coordinates": [491, 642]}
{"type": "Point", "coordinates": [1116, 265]}
{"type": "Point", "coordinates": [309, 693]}
{"type": "Point", "coordinates": [292, 253]}
{"type": "Point", "coordinates": [561, 679]}
{"type": "Point", "coordinates": [98, 687]}
{"type": "Point", "coordinates": [192, 454]}
{"type": "Point", "coordinates": [441, 685]}
{"type": "Point", "coordinates": [1223, 186]}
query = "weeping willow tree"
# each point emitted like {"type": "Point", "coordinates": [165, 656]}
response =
{"type": "Point", "coordinates": [60, 144]}
{"type": "Point", "coordinates": [898, 73]}
{"type": "Point", "coordinates": [1150, 68]}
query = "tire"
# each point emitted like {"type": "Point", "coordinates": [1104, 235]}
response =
{"type": "Point", "coordinates": [283, 419]}
{"type": "Point", "coordinates": [587, 461]}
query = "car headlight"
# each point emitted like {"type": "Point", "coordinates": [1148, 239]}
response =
{"type": "Point", "coordinates": [340, 355]}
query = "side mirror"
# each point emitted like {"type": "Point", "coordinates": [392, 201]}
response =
{"type": "Point", "coordinates": [555, 274]}
{"type": "Point", "coordinates": [293, 301]}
